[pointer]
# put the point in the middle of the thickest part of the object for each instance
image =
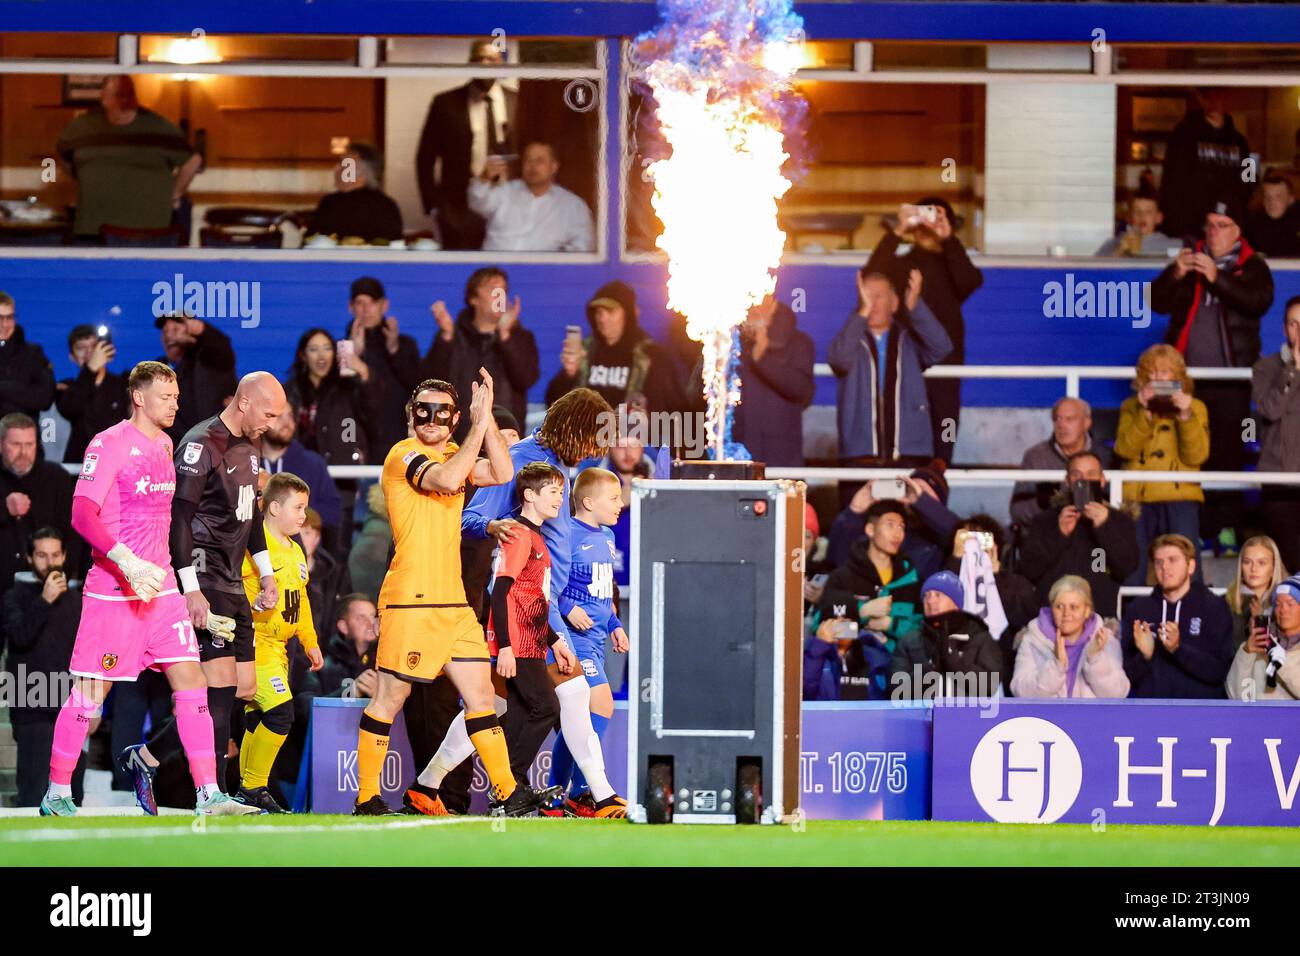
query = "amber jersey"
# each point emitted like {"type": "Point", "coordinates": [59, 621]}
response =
{"type": "Point", "coordinates": [425, 570]}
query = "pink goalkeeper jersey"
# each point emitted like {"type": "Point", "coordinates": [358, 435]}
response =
{"type": "Point", "coordinates": [131, 478]}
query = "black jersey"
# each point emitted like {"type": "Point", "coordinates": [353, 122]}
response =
{"type": "Point", "coordinates": [217, 472]}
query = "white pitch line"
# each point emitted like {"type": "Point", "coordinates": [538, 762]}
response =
{"type": "Point", "coordinates": [115, 833]}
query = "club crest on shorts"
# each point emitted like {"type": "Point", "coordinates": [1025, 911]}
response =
{"type": "Point", "coordinates": [108, 661]}
{"type": "Point", "coordinates": [193, 451]}
{"type": "Point", "coordinates": [413, 659]}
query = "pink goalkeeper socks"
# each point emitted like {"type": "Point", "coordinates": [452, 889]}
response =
{"type": "Point", "coordinates": [70, 729]}
{"type": "Point", "coordinates": [194, 725]}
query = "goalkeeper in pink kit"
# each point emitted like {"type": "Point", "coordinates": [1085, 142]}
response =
{"type": "Point", "coordinates": [134, 617]}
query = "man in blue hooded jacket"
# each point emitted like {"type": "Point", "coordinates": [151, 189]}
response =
{"type": "Point", "coordinates": [879, 357]}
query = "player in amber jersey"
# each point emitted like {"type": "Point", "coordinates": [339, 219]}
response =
{"type": "Point", "coordinates": [425, 624]}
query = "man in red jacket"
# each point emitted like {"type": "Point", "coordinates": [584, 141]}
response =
{"type": "Point", "coordinates": [1215, 293]}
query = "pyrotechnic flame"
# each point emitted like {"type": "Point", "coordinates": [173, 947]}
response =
{"type": "Point", "coordinates": [722, 82]}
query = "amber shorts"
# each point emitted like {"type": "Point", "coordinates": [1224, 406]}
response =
{"type": "Point", "coordinates": [417, 641]}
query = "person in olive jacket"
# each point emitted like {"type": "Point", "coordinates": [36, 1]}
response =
{"type": "Point", "coordinates": [1162, 432]}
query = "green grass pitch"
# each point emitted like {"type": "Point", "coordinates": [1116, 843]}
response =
{"type": "Point", "coordinates": [410, 841]}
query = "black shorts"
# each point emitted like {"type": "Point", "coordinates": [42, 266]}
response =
{"type": "Point", "coordinates": [228, 605]}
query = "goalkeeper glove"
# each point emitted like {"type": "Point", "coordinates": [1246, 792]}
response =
{"type": "Point", "coordinates": [143, 577]}
{"type": "Point", "coordinates": [220, 627]}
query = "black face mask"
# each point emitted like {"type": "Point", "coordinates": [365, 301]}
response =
{"type": "Point", "coordinates": [433, 413]}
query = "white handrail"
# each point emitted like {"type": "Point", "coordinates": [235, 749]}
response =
{"type": "Point", "coordinates": [961, 477]}
{"type": "Point", "coordinates": [1073, 374]}
{"type": "Point", "coordinates": [1117, 478]}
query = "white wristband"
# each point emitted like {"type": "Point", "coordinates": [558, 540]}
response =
{"type": "Point", "coordinates": [189, 578]}
{"type": "Point", "coordinates": [263, 562]}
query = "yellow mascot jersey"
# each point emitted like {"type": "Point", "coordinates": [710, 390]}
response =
{"type": "Point", "coordinates": [292, 613]}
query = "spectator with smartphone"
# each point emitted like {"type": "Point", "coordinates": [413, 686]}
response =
{"type": "Point", "coordinates": [1163, 428]}
{"type": "Point", "coordinates": [533, 213]}
{"type": "Point", "coordinates": [464, 127]}
{"type": "Point", "coordinates": [42, 611]}
{"type": "Point", "coordinates": [951, 643]}
{"type": "Point", "coordinates": [1142, 238]}
{"type": "Point", "coordinates": [485, 334]}
{"type": "Point", "coordinates": [337, 414]}
{"type": "Point", "coordinates": [1015, 591]}
{"type": "Point", "coordinates": [876, 590]}
{"type": "Point", "coordinates": [930, 523]}
{"type": "Point", "coordinates": [1177, 639]}
{"type": "Point", "coordinates": [1250, 595]}
{"type": "Point", "coordinates": [94, 399]}
{"type": "Point", "coordinates": [338, 403]}
{"type": "Point", "coordinates": [204, 362]}
{"type": "Point", "coordinates": [1215, 293]}
{"type": "Point", "coordinates": [619, 360]}
{"type": "Point", "coordinates": [392, 358]}
{"type": "Point", "coordinates": [1071, 433]}
{"type": "Point", "coordinates": [1267, 665]}
{"type": "Point", "coordinates": [879, 357]}
{"type": "Point", "coordinates": [26, 376]}
{"type": "Point", "coordinates": [816, 567]}
{"type": "Point", "coordinates": [1083, 535]}
{"type": "Point", "coordinates": [1275, 386]}
{"type": "Point", "coordinates": [924, 238]}
{"type": "Point", "coordinates": [1068, 650]}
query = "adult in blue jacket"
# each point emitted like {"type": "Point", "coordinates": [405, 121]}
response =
{"type": "Point", "coordinates": [879, 358]}
{"type": "Point", "coordinates": [569, 439]}
{"type": "Point", "coordinates": [776, 374]}
{"type": "Point", "coordinates": [1178, 640]}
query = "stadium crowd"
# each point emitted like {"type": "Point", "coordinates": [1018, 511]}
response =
{"type": "Point", "coordinates": [899, 588]}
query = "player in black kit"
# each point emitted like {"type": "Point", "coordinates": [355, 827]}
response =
{"type": "Point", "coordinates": [215, 519]}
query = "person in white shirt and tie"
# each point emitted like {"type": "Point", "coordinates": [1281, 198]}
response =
{"type": "Point", "coordinates": [530, 214]}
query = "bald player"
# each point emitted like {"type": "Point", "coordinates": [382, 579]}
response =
{"type": "Point", "coordinates": [215, 518]}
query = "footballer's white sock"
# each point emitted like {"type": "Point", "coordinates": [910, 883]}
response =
{"type": "Point", "coordinates": [455, 749]}
{"type": "Point", "coordinates": [580, 737]}
{"type": "Point", "coordinates": [60, 789]}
